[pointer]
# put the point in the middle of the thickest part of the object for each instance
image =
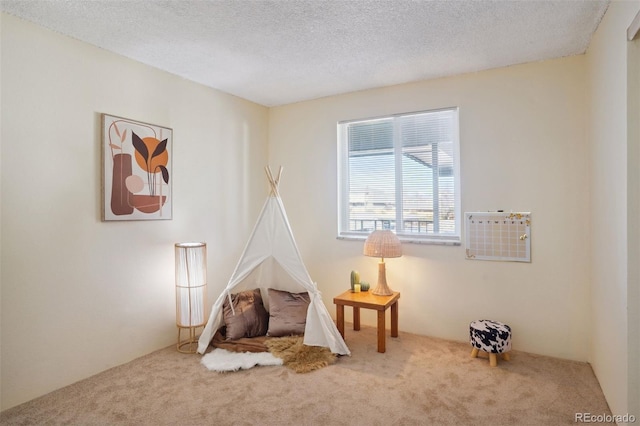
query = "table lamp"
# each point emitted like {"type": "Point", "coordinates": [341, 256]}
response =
{"type": "Point", "coordinates": [382, 244]}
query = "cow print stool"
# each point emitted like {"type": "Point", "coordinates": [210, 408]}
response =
{"type": "Point", "coordinates": [492, 337]}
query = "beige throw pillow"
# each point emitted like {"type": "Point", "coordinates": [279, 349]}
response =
{"type": "Point", "coordinates": [251, 319]}
{"type": "Point", "coordinates": [287, 313]}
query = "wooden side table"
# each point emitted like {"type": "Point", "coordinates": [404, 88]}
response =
{"type": "Point", "coordinates": [367, 300]}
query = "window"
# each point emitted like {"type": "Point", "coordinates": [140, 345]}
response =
{"type": "Point", "coordinates": [400, 173]}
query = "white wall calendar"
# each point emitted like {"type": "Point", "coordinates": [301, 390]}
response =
{"type": "Point", "coordinates": [498, 236]}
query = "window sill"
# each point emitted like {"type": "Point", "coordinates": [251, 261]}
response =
{"type": "Point", "coordinates": [406, 239]}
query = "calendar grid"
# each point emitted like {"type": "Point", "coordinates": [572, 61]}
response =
{"type": "Point", "coordinates": [498, 236]}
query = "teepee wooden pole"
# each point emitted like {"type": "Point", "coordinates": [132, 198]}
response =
{"type": "Point", "coordinates": [274, 182]}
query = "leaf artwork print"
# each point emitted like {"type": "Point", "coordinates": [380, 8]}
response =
{"type": "Point", "coordinates": [138, 174]}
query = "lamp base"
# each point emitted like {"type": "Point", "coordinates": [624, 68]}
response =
{"type": "Point", "coordinates": [187, 345]}
{"type": "Point", "coordinates": [382, 289]}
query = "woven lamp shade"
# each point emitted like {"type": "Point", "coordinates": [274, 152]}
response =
{"type": "Point", "coordinates": [382, 244]}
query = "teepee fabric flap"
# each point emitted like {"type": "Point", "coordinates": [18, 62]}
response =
{"type": "Point", "coordinates": [319, 329]}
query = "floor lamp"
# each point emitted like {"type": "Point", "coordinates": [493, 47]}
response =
{"type": "Point", "coordinates": [191, 292]}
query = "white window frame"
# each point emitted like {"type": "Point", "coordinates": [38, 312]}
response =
{"type": "Point", "coordinates": [343, 184]}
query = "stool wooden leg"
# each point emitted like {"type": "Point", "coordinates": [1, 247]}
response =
{"type": "Point", "coordinates": [474, 352]}
{"type": "Point", "coordinates": [506, 356]}
{"type": "Point", "coordinates": [493, 360]}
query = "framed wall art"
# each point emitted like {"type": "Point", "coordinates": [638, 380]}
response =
{"type": "Point", "coordinates": [137, 171]}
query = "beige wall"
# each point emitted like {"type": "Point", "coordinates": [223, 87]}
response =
{"type": "Point", "coordinates": [80, 295]}
{"type": "Point", "coordinates": [523, 148]}
{"type": "Point", "coordinates": [607, 85]}
{"type": "Point", "coordinates": [633, 243]}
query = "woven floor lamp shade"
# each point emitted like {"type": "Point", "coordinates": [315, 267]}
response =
{"type": "Point", "coordinates": [382, 244]}
{"type": "Point", "coordinates": [191, 292]}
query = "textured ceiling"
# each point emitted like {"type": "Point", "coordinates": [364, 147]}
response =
{"type": "Point", "coordinates": [276, 52]}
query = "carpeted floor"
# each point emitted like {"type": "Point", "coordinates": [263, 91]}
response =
{"type": "Point", "coordinates": [418, 381]}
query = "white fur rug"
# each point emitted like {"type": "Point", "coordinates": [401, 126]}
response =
{"type": "Point", "coordinates": [222, 360]}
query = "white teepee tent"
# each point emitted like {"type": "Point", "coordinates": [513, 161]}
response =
{"type": "Point", "coordinates": [271, 260]}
